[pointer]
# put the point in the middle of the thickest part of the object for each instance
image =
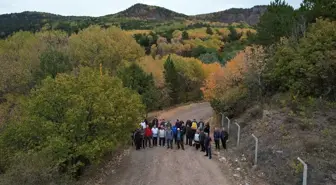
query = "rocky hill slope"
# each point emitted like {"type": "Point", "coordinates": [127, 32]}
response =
{"type": "Point", "coordinates": [250, 15]}
{"type": "Point", "coordinates": [143, 11]}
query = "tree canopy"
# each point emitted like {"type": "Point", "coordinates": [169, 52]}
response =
{"type": "Point", "coordinates": [73, 121]}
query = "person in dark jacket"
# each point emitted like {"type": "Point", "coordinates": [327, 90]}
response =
{"type": "Point", "coordinates": [163, 123]}
{"type": "Point", "coordinates": [207, 144]}
{"type": "Point", "coordinates": [138, 139]}
{"type": "Point", "coordinates": [155, 122]}
{"type": "Point", "coordinates": [178, 124]}
{"type": "Point", "coordinates": [224, 137]}
{"type": "Point", "coordinates": [207, 128]}
{"type": "Point", "coordinates": [142, 136]}
{"type": "Point", "coordinates": [217, 137]}
{"type": "Point", "coordinates": [201, 124]}
{"type": "Point", "coordinates": [202, 138]}
{"type": "Point", "coordinates": [179, 138]}
{"type": "Point", "coordinates": [183, 129]}
{"type": "Point", "coordinates": [188, 122]}
{"type": "Point", "coordinates": [189, 136]}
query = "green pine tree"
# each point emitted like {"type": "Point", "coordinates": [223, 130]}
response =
{"type": "Point", "coordinates": [277, 22]}
{"type": "Point", "coordinates": [134, 77]}
{"type": "Point", "coordinates": [233, 35]}
{"type": "Point", "coordinates": [172, 80]}
{"type": "Point", "coordinates": [185, 35]}
{"type": "Point", "coordinates": [209, 31]}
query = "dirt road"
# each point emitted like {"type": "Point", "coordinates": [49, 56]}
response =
{"type": "Point", "coordinates": [162, 166]}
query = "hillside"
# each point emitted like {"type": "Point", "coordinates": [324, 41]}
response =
{"type": "Point", "coordinates": [35, 21]}
{"type": "Point", "coordinates": [250, 15]}
{"type": "Point", "coordinates": [138, 16]}
{"type": "Point", "coordinates": [143, 11]}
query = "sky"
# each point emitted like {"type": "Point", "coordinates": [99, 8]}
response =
{"type": "Point", "coordinates": [104, 7]}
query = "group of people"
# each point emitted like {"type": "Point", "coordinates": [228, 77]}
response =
{"type": "Point", "coordinates": [165, 133]}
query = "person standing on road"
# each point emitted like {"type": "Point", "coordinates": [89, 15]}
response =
{"type": "Point", "coordinates": [148, 136]}
{"type": "Point", "coordinates": [207, 128]}
{"type": "Point", "coordinates": [162, 135]}
{"type": "Point", "coordinates": [178, 124]}
{"type": "Point", "coordinates": [163, 123]}
{"type": "Point", "coordinates": [155, 122]}
{"type": "Point", "coordinates": [143, 125]}
{"type": "Point", "coordinates": [189, 135]}
{"type": "Point", "coordinates": [197, 139]}
{"type": "Point", "coordinates": [194, 125]}
{"type": "Point", "coordinates": [142, 136]}
{"type": "Point", "coordinates": [194, 128]}
{"type": "Point", "coordinates": [207, 144]}
{"type": "Point", "coordinates": [179, 138]}
{"type": "Point", "coordinates": [202, 138]}
{"type": "Point", "coordinates": [155, 132]}
{"type": "Point", "coordinates": [188, 122]}
{"type": "Point", "coordinates": [169, 138]}
{"type": "Point", "coordinates": [183, 129]}
{"type": "Point", "coordinates": [201, 125]}
{"type": "Point", "coordinates": [174, 129]}
{"type": "Point", "coordinates": [137, 139]}
{"type": "Point", "coordinates": [217, 137]}
{"type": "Point", "coordinates": [224, 137]}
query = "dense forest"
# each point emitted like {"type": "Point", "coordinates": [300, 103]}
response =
{"type": "Point", "coordinates": [68, 98]}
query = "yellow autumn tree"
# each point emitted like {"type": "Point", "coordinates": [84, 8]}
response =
{"type": "Point", "coordinates": [154, 66]}
{"type": "Point", "coordinates": [190, 67]}
{"type": "Point", "coordinates": [110, 47]}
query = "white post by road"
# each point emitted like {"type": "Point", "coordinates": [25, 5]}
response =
{"type": "Point", "coordinates": [304, 181]}
{"type": "Point", "coordinates": [238, 135]}
{"type": "Point", "coordinates": [228, 128]}
{"type": "Point", "coordinates": [256, 150]}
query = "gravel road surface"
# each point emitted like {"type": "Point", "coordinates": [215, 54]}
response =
{"type": "Point", "coordinates": [162, 166]}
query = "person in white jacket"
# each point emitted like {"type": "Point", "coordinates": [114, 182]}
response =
{"type": "Point", "coordinates": [143, 125]}
{"type": "Point", "coordinates": [197, 139]}
{"type": "Point", "coordinates": [155, 132]}
{"type": "Point", "coordinates": [162, 137]}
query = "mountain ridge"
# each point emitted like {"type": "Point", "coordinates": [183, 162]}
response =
{"type": "Point", "coordinates": [129, 12]}
{"type": "Point", "coordinates": [137, 16]}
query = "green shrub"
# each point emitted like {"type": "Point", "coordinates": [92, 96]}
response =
{"type": "Point", "coordinates": [34, 169]}
{"type": "Point", "coordinates": [232, 103]}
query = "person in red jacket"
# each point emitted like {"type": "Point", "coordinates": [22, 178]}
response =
{"type": "Point", "coordinates": [148, 136]}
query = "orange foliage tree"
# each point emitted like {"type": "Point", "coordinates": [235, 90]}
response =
{"type": "Point", "coordinates": [221, 79]}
